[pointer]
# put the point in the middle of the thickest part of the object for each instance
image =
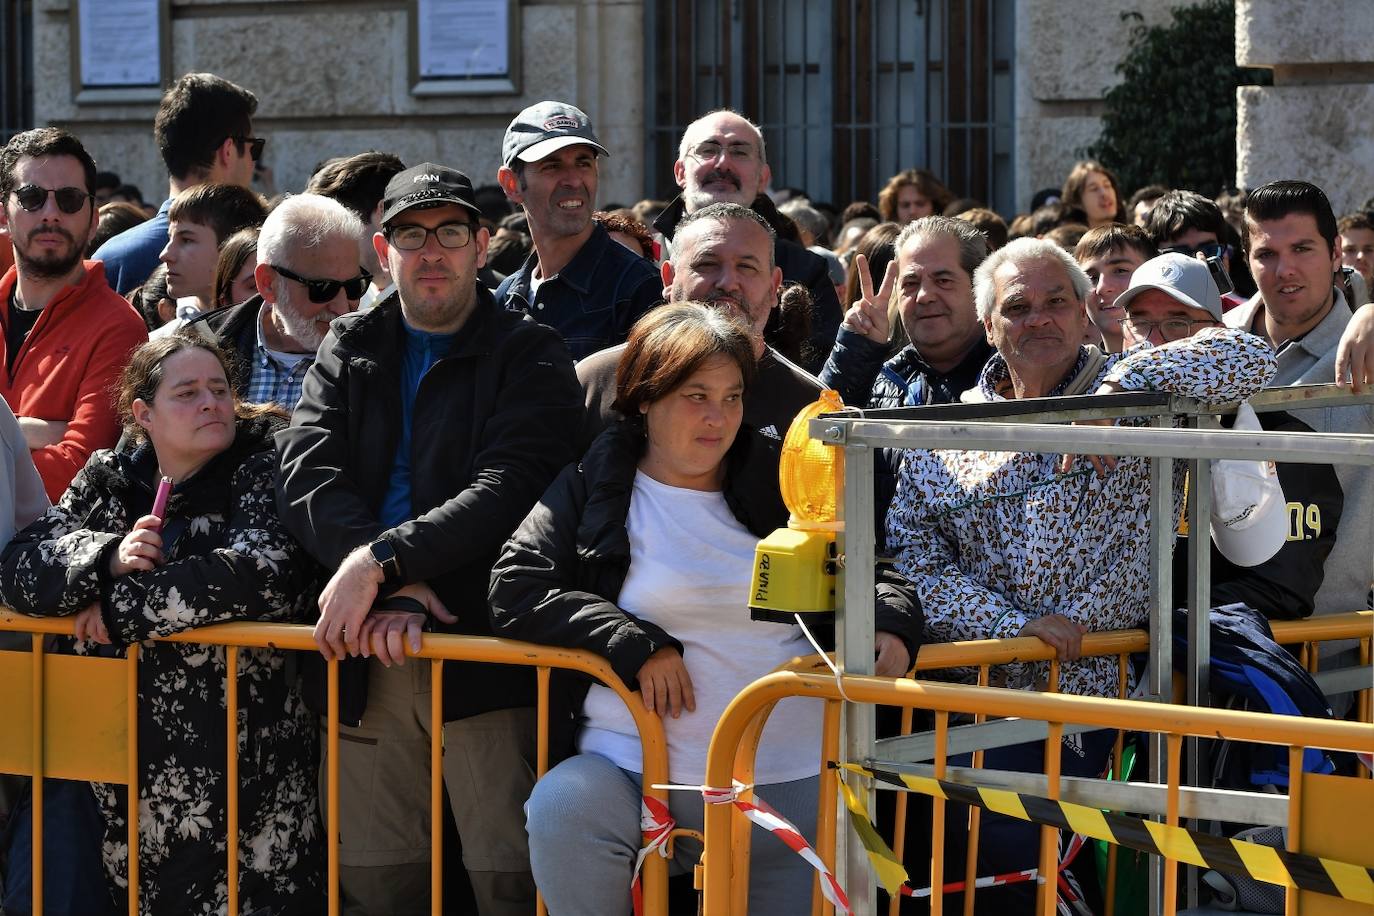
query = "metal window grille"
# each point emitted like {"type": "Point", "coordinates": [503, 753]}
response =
{"type": "Point", "coordinates": [848, 92]}
{"type": "Point", "coordinates": [16, 67]}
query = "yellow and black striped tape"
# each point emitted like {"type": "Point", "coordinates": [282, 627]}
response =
{"type": "Point", "coordinates": [1234, 857]}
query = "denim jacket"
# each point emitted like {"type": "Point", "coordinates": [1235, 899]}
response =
{"type": "Point", "coordinates": [593, 301]}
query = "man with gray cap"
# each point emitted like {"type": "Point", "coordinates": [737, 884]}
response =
{"type": "Point", "coordinates": [577, 280]}
{"type": "Point", "coordinates": [1255, 561]}
{"type": "Point", "coordinates": [427, 429]}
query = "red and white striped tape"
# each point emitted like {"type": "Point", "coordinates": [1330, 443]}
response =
{"type": "Point", "coordinates": [656, 823]}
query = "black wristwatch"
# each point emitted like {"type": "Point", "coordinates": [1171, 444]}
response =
{"type": "Point", "coordinates": [384, 555]}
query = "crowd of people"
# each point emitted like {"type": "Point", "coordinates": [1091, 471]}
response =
{"type": "Point", "coordinates": [396, 402]}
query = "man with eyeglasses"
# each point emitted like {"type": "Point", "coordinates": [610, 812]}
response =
{"type": "Point", "coordinates": [307, 275]}
{"type": "Point", "coordinates": [204, 130]}
{"type": "Point", "coordinates": [429, 426]}
{"type": "Point", "coordinates": [67, 335]}
{"type": "Point", "coordinates": [722, 159]}
{"type": "Point", "coordinates": [1004, 544]}
{"type": "Point", "coordinates": [1173, 297]}
{"type": "Point", "coordinates": [577, 280]}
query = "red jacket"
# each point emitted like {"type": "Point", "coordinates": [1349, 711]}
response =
{"type": "Point", "coordinates": [67, 370]}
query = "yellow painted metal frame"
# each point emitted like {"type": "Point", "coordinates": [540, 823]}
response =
{"type": "Point", "coordinates": [51, 704]}
{"type": "Point", "coordinates": [737, 732]}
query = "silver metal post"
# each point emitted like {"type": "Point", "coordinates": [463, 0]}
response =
{"type": "Point", "coordinates": [854, 632]}
{"type": "Point", "coordinates": [1199, 613]}
{"type": "Point", "coordinates": [1159, 675]}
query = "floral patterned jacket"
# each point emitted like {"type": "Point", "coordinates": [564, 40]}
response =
{"type": "Point", "coordinates": [992, 540]}
{"type": "Point", "coordinates": [227, 558]}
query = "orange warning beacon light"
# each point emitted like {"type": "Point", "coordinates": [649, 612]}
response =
{"type": "Point", "coordinates": [794, 567]}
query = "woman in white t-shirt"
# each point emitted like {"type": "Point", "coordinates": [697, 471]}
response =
{"type": "Point", "coordinates": [643, 552]}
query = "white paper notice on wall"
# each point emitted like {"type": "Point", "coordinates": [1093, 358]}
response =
{"type": "Point", "coordinates": [121, 42]}
{"type": "Point", "coordinates": [463, 38]}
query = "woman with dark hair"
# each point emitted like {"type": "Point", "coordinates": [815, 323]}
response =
{"type": "Point", "coordinates": [1092, 188]}
{"type": "Point", "coordinates": [217, 552]}
{"type": "Point", "coordinates": [643, 553]}
{"type": "Point", "coordinates": [238, 257]}
{"type": "Point", "coordinates": [152, 300]}
{"type": "Point", "coordinates": [911, 195]}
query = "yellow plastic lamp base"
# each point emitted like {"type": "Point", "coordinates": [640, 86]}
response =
{"type": "Point", "coordinates": [794, 572]}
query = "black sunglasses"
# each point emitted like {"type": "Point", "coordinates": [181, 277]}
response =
{"type": "Point", "coordinates": [1206, 249]}
{"type": "Point", "coordinates": [255, 145]}
{"type": "Point", "coordinates": [322, 291]}
{"type": "Point", "coordinates": [69, 200]}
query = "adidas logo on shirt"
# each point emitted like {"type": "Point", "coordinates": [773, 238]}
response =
{"type": "Point", "coordinates": [771, 432]}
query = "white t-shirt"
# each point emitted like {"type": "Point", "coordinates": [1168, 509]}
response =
{"type": "Point", "coordinates": [691, 564]}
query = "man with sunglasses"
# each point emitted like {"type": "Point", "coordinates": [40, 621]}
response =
{"type": "Point", "coordinates": [67, 335]}
{"type": "Point", "coordinates": [429, 426]}
{"type": "Point", "coordinates": [307, 275]}
{"type": "Point", "coordinates": [204, 130]}
{"type": "Point", "coordinates": [1187, 223]}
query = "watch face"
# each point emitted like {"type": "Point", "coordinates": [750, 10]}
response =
{"type": "Point", "coordinates": [384, 556]}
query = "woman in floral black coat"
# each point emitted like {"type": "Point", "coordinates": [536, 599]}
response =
{"type": "Point", "coordinates": [219, 554]}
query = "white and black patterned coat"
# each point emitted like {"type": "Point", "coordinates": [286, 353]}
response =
{"type": "Point", "coordinates": [993, 540]}
{"type": "Point", "coordinates": [227, 558]}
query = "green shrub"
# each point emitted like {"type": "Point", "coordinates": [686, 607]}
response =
{"type": "Point", "coordinates": [1172, 119]}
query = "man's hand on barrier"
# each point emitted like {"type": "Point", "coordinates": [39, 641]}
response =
{"type": "Point", "coordinates": [140, 550]}
{"type": "Point", "coordinates": [1065, 635]}
{"type": "Point", "coordinates": [868, 314]}
{"type": "Point", "coordinates": [90, 626]}
{"type": "Point", "coordinates": [892, 658]}
{"type": "Point", "coordinates": [665, 684]}
{"type": "Point", "coordinates": [344, 603]}
{"type": "Point", "coordinates": [382, 632]}
{"type": "Point", "coordinates": [1355, 354]}
{"type": "Point", "coordinates": [1101, 463]}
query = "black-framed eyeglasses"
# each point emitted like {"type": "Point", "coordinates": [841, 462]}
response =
{"type": "Point", "coordinates": [1206, 249]}
{"type": "Point", "coordinates": [1169, 328]}
{"type": "Point", "coordinates": [255, 145]}
{"type": "Point", "coordinates": [32, 197]}
{"type": "Point", "coordinates": [410, 237]}
{"type": "Point", "coordinates": [322, 291]}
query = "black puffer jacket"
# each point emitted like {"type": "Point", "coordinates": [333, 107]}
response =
{"type": "Point", "coordinates": [228, 557]}
{"type": "Point", "coordinates": [560, 574]}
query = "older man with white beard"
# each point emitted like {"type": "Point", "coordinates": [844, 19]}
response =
{"type": "Point", "coordinates": [307, 275]}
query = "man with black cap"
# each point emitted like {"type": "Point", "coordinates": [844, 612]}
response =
{"type": "Point", "coordinates": [428, 427]}
{"type": "Point", "coordinates": [577, 280]}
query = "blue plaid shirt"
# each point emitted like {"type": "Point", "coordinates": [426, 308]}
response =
{"type": "Point", "coordinates": [272, 381]}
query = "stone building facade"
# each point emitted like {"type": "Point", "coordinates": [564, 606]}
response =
{"type": "Point", "coordinates": [334, 77]}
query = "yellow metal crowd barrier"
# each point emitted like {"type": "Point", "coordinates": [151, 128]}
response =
{"type": "Point", "coordinates": [737, 735]}
{"type": "Point", "coordinates": [75, 717]}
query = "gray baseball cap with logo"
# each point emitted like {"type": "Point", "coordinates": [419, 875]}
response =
{"type": "Point", "coordinates": [545, 128]}
{"type": "Point", "coordinates": [1186, 279]}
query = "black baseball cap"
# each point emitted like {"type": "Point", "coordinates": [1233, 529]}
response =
{"type": "Point", "coordinates": [424, 186]}
{"type": "Point", "coordinates": [545, 128]}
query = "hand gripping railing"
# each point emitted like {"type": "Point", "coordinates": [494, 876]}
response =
{"type": "Point", "coordinates": [104, 698]}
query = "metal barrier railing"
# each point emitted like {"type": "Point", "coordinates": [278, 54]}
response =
{"type": "Point", "coordinates": [110, 754]}
{"type": "Point", "coordinates": [1303, 635]}
{"type": "Point", "coordinates": [736, 734]}
{"type": "Point", "coordinates": [1035, 425]}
